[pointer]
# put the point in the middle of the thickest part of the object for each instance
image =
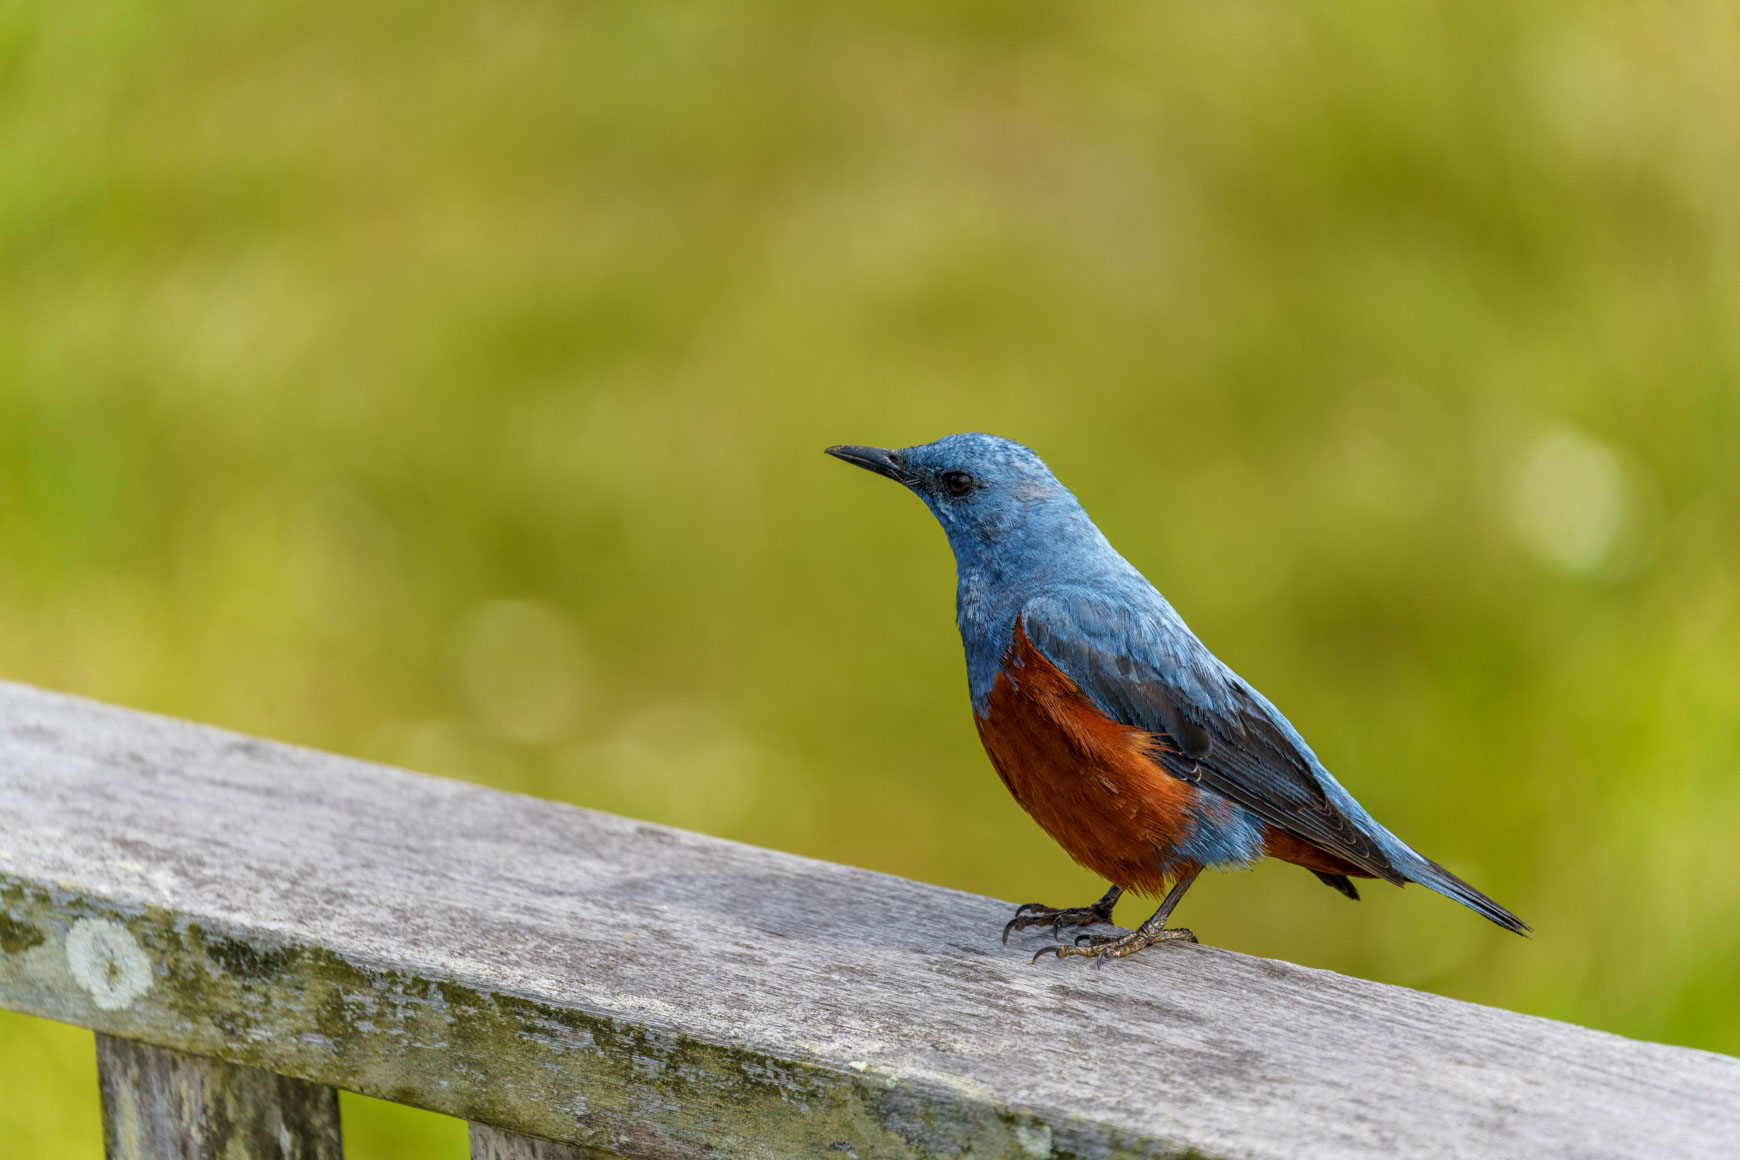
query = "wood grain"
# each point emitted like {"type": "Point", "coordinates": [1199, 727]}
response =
{"type": "Point", "coordinates": [649, 992]}
{"type": "Point", "coordinates": [489, 1143]}
{"type": "Point", "coordinates": [160, 1104]}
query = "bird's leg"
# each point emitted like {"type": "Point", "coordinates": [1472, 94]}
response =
{"type": "Point", "coordinates": [1039, 914]}
{"type": "Point", "coordinates": [1101, 947]}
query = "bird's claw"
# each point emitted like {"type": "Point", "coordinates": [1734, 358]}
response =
{"type": "Point", "coordinates": [1031, 914]}
{"type": "Point", "coordinates": [1100, 947]}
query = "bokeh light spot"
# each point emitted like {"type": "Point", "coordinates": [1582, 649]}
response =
{"type": "Point", "coordinates": [1572, 501]}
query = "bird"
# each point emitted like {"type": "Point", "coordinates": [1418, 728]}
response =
{"type": "Point", "coordinates": [1130, 743]}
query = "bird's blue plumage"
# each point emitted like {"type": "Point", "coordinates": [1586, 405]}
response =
{"type": "Point", "coordinates": [1026, 552]}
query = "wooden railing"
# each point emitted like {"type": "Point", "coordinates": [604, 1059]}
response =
{"type": "Point", "coordinates": [249, 926]}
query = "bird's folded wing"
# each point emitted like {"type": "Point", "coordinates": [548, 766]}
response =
{"type": "Point", "coordinates": [1150, 671]}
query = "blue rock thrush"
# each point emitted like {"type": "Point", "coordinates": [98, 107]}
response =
{"type": "Point", "coordinates": [1129, 742]}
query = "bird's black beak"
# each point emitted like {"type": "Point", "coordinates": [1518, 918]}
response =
{"type": "Point", "coordinates": [878, 459]}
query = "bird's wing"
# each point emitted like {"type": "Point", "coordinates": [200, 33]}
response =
{"type": "Point", "coordinates": [1149, 671]}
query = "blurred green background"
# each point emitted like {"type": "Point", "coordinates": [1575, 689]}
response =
{"type": "Point", "coordinates": [446, 384]}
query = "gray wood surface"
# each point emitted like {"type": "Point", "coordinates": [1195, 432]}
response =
{"type": "Point", "coordinates": [160, 1104]}
{"type": "Point", "coordinates": [489, 1143]}
{"type": "Point", "coordinates": [655, 993]}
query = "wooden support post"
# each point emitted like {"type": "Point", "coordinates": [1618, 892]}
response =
{"type": "Point", "coordinates": [489, 1143]}
{"type": "Point", "coordinates": [160, 1104]}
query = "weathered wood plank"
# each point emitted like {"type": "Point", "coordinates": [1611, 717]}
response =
{"type": "Point", "coordinates": [489, 1143]}
{"type": "Point", "coordinates": [654, 993]}
{"type": "Point", "coordinates": [160, 1104]}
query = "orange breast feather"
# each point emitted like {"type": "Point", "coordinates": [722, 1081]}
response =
{"type": "Point", "coordinates": [1086, 779]}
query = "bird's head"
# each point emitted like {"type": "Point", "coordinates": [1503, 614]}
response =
{"type": "Point", "coordinates": [995, 498]}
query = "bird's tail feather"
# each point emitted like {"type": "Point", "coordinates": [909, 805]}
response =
{"type": "Point", "coordinates": [1437, 878]}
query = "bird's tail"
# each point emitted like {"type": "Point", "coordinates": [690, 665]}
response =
{"type": "Point", "coordinates": [1434, 876]}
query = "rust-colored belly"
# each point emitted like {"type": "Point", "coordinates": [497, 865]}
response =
{"type": "Point", "coordinates": [1278, 843]}
{"type": "Point", "coordinates": [1086, 779]}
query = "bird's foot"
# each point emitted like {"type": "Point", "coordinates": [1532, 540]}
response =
{"type": "Point", "coordinates": [1033, 914]}
{"type": "Point", "coordinates": [1100, 947]}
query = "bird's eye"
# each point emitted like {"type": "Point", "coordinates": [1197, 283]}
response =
{"type": "Point", "coordinates": [959, 482]}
